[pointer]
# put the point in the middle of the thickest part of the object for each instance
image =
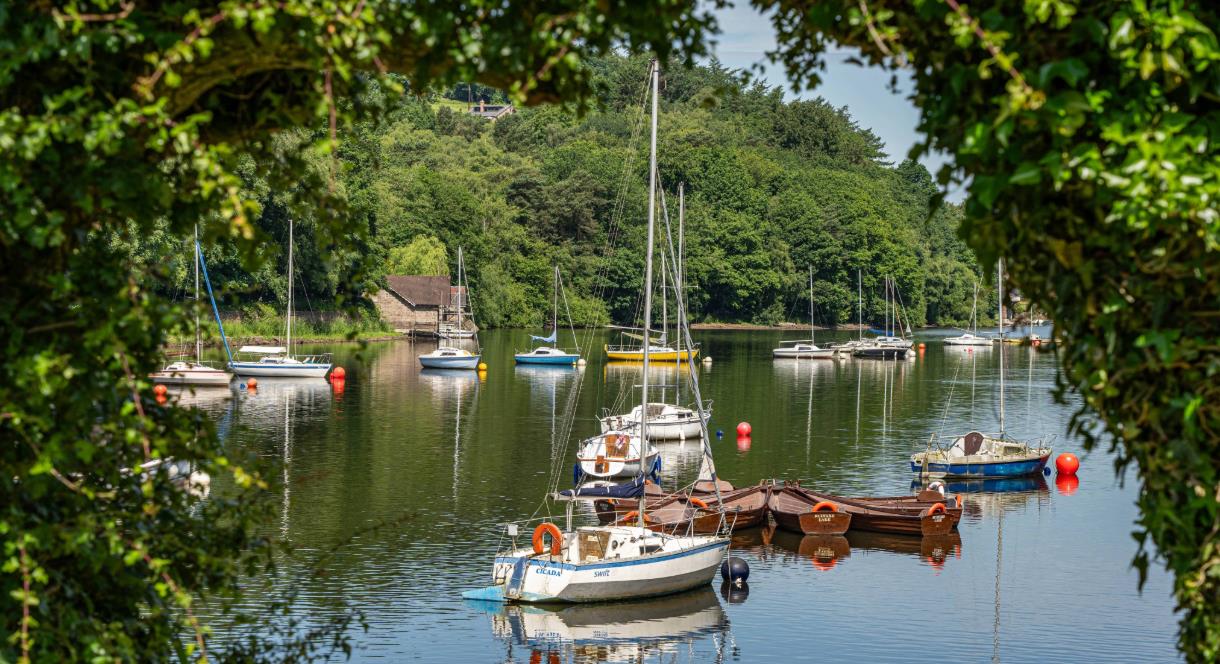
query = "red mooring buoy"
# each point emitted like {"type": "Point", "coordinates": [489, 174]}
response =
{"type": "Point", "coordinates": [252, 384]}
{"type": "Point", "coordinates": [338, 373]}
{"type": "Point", "coordinates": [744, 429]}
{"type": "Point", "coordinates": [1067, 464]}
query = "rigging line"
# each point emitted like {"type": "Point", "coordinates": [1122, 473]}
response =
{"type": "Point", "coordinates": [944, 418]}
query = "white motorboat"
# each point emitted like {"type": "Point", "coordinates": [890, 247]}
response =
{"type": "Point", "coordinates": [192, 373]}
{"type": "Point", "coordinates": [278, 361]}
{"type": "Point", "coordinates": [665, 422]}
{"type": "Point", "coordinates": [448, 357]}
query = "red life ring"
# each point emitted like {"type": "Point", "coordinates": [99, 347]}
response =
{"type": "Point", "coordinates": [938, 508]}
{"type": "Point", "coordinates": [556, 538]}
{"type": "Point", "coordinates": [825, 505]}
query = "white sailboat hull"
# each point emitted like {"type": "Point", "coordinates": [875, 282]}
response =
{"type": "Point", "coordinates": [533, 578]}
{"type": "Point", "coordinates": [804, 353]}
{"type": "Point", "coordinates": [183, 374]}
{"type": "Point", "coordinates": [968, 340]}
{"type": "Point", "coordinates": [275, 370]}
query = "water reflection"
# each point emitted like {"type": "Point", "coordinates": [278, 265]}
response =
{"type": "Point", "coordinates": [664, 629]}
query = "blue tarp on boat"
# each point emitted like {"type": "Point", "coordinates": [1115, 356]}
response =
{"type": "Point", "coordinates": [633, 490]}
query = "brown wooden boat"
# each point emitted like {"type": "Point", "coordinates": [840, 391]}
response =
{"type": "Point", "coordinates": [909, 519]}
{"type": "Point", "coordinates": [795, 511]}
{"type": "Point", "coordinates": [680, 513]}
{"type": "Point", "coordinates": [921, 501]}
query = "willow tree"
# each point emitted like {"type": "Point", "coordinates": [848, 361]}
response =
{"type": "Point", "coordinates": [1089, 136]}
{"type": "Point", "coordinates": [118, 117]}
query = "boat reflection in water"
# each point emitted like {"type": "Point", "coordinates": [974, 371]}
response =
{"type": "Point", "coordinates": [989, 498]}
{"type": "Point", "coordinates": [824, 551]}
{"type": "Point", "coordinates": [933, 550]}
{"type": "Point", "coordinates": [658, 629]}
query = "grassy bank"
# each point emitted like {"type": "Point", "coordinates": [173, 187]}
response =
{"type": "Point", "coordinates": [265, 326]}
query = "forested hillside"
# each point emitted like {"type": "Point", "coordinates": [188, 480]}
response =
{"type": "Point", "coordinates": [772, 187]}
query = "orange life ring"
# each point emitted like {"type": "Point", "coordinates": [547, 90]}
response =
{"type": "Point", "coordinates": [959, 501]}
{"type": "Point", "coordinates": [632, 515]}
{"type": "Point", "coordinates": [825, 505]}
{"type": "Point", "coordinates": [938, 508]}
{"type": "Point", "coordinates": [697, 502]}
{"type": "Point", "coordinates": [556, 538]}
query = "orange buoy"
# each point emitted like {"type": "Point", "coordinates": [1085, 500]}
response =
{"type": "Point", "coordinates": [697, 502]}
{"type": "Point", "coordinates": [252, 384]}
{"type": "Point", "coordinates": [1067, 464]}
{"type": "Point", "coordinates": [744, 429]}
{"type": "Point", "coordinates": [824, 506]}
{"type": "Point", "coordinates": [338, 373]}
{"type": "Point", "coordinates": [922, 346]}
{"type": "Point", "coordinates": [160, 390]}
{"type": "Point", "coordinates": [544, 529]}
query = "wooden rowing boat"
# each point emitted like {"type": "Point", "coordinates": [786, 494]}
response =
{"type": "Point", "coordinates": [680, 513]}
{"type": "Point", "coordinates": [888, 517]}
{"type": "Point", "coordinates": [922, 501]}
{"type": "Point", "coordinates": [795, 511]}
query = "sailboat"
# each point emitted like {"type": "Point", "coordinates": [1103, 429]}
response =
{"type": "Point", "coordinates": [978, 455]}
{"type": "Point", "coordinates": [278, 361]}
{"type": "Point", "coordinates": [971, 338]}
{"type": "Point", "coordinates": [549, 354]}
{"type": "Point", "coordinates": [602, 563]}
{"type": "Point", "coordinates": [665, 421]}
{"type": "Point", "coordinates": [850, 346]}
{"type": "Point", "coordinates": [452, 357]}
{"type": "Point", "coordinates": [802, 348]}
{"type": "Point", "coordinates": [194, 373]}
{"type": "Point", "coordinates": [888, 346]}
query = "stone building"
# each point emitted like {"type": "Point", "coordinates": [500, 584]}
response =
{"type": "Point", "coordinates": [419, 304]}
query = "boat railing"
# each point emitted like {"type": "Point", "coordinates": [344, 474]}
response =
{"type": "Point", "coordinates": [569, 351]}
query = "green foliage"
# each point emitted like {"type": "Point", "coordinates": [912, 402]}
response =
{"type": "Point", "coordinates": [123, 126]}
{"type": "Point", "coordinates": [423, 255]}
{"type": "Point", "coordinates": [1087, 132]}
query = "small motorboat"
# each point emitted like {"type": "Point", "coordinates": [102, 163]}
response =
{"type": "Point", "coordinates": [803, 351]}
{"type": "Point", "coordinates": [665, 421]}
{"type": "Point", "coordinates": [796, 511]}
{"type": "Point", "coordinates": [968, 339]}
{"type": "Point", "coordinates": [448, 357]}
{"type": "Point", "coordinates": [191, 373]}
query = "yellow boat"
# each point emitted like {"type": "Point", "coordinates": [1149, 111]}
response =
{"type": "Point", "coordinates": [636, 354]}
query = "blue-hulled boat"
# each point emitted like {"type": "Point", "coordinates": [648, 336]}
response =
{"type": "Point", "coordinates": [976, 455]}
{"type": "Point", "coordinates": [547, 354]}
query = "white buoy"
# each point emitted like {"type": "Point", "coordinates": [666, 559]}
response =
{"type": "Point", "coordinates": [707, 359]}
{"type": "Point", "coordinates": [580, 362]}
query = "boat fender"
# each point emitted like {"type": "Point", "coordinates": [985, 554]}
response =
{"type": "Point", "coordinates": [825, 505]}
{"type": "Point", "coordinates": [630, 516]}
{"type": "Point", "coordinates": [958, 499]}
{"type": "Point", "coordinates": [697, 502]}
{"type": "Point", "coordinates": [938, 508]}
{"type": "Point", "coordinates": [556, 538]}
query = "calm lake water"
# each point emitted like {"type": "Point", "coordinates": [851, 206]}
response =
{"type": "Point", "coordinates": [1041, 571]}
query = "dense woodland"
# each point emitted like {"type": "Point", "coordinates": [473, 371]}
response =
{"type": "Point", "coordinates": [772, 187]}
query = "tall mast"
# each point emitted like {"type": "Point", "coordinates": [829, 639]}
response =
{"type": "Point", "coordinates": [288, 321]}
{"type": "Point", "coordinates": [1000, 290]}
{"type": "Point", "coordinates": [664, 304]}
{"type": "Point", "coordinates": [678, 300]}
{"type": "Point", "coordinates": [652, 201]}
{"type": "Point", "coordinates": [555, 321]}
{"type": "Point", "coordinates": [460, 293]}
{"type": "Point", "coordinates": [860, 304]}
{"type": "Point", "coordinates": [811, 341]}
{"type": "Point", "coordinates": [198, 343]}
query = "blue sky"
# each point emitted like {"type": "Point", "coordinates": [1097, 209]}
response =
{"type": "Point", "coordinates": [745, 38]}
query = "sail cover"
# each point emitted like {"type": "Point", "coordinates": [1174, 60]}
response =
{"type": "Point", "coordinates": [551, 339]}
{"type": "Point", "coordinates": [633, 490]}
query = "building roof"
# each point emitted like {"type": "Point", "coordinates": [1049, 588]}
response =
{"type": "Point", "coordinates": [420, 290]}
{"type": "Point", "coordinates": [491, 112]}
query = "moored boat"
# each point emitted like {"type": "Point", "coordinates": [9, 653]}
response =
{"type": "Point", "coordinates": [678, 513]}
{"type": "Point", "coordinates": [448, 357]}
{"type": "Point", "coordinates": [796, 511]}
{"type": "Point", "coordinates": [936, 519]}
{"type": "Point", "coordinates": [665, 421]}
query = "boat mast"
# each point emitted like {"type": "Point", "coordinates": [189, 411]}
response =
{"type": "Point", "coordinates": [1000, 306]}
{"type": "Point", "coordinates": [860, 304]}
{"type": "Point", "coordinates": [288, 317]}
{"type": "Point", "coordinates": [459, 291]}
{"type": "Point", "coordinates": [678, 299]}
{"type": "Point", "coordinates": [652, 201]}
{"type": "Point", "coordinates": [811, 339]}
{"type": "Point", "coordinates": [198, 343]}
{"type": "Point", "coordinates": [555, 320]}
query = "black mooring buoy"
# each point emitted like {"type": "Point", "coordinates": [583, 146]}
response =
{"type": "Point", "coordinates": [735, 570]}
